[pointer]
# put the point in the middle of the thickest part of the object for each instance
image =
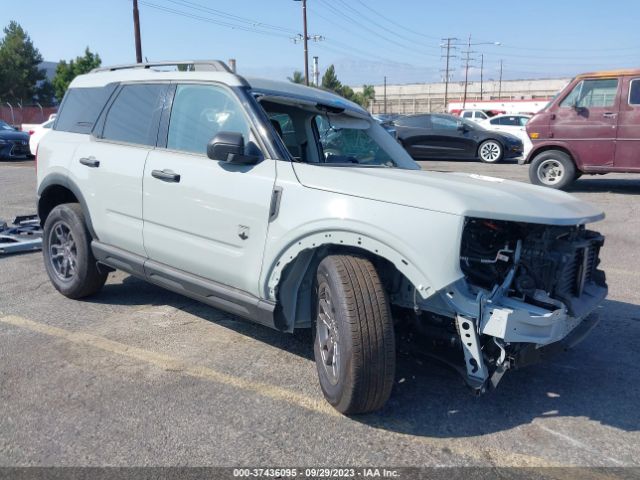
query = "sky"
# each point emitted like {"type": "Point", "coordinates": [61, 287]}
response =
{"type": "Point", "coordinates": [365, 39]}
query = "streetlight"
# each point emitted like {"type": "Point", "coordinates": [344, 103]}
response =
{"type": "Point", "coordinates": [467, 64]}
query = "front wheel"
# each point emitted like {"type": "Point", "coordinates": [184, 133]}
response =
{"type": "Point", "coordinates": [490, 151]}
{"type": "Point", "coordinates": [552, 168]}
{"type": "Point", "coordinates": [354, 344]}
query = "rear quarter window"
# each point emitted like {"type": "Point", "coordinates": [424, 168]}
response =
{"type": "Point", "coordinates": [81, 107]}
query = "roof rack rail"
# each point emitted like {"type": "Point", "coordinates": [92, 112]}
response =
{"type": "Point", "coordinates": [192, 65]}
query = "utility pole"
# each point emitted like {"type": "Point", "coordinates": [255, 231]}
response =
{"type": "Point", "coordinates": [385, 94]}
{"type": "Point", "coordinates": [500, 82]}
{"type": "Point", "coordinates": [481, 74]}
{"type": "Point", "coordinates": [306, 46]}
{"type": "Point", "coordinates": [448, 46]}
{"type": "Point", "coordinates": [136, 31]}
{"type": "Point", "coordinates": [305, 39]}
{"type": "Point", "coordinates": [467, 64]}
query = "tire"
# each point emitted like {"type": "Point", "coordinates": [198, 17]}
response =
{"type": "Point", "coordinates": [354, 342]}
{"type": "Point", "coordinates": [68, 259]}
{"type": "Point", "coordinates": [490, 151]}
{"type": "Point", "coordinates": [553, 169]}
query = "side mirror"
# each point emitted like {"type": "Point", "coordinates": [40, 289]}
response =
{"type": "Point", "coordinates": [229, 147]}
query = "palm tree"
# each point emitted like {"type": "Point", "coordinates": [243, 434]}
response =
{"type": "Point", "coordinates": [298, 77]}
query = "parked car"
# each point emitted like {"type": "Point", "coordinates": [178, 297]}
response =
{"type": "Point", "coordinates": [36, 132]}
{"type": "Point", "coordinates": [440, 136]}
{"type": "Point", "coordinates": [14, 144]}
{"type": "Point", "coordinates": [591, 127]}
{"type": "Point", "coordinates": [216, 202]}
{"type": "Point", "coordinates": [387, 123]}
{"type": "Point", "coordinates": [513, 124]}
{"type": "Point", "coordinates": [475, 115]}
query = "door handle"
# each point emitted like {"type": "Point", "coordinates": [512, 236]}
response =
{"type": "Point", "coordinates": [166, 176]}
{"type": "Point", "coordinates": [91, 162]}
{"type": "Point", "coordinates": [609, 115]}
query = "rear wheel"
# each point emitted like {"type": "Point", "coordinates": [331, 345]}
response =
{"type": "Point", "coordinates": [552, 168]}
{"type": "Point", "coordinates": [68, 259]}
{"type": "Point", "coordinates": [354, 342]}
{"type": "Point", "coordinates": [490, 151]}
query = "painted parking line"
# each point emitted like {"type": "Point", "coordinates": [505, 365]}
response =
{"type": "Point", "coordinates": [461, 447]}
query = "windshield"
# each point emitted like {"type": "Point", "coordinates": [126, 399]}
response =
{"type": "Point", "coordinates": [351, 141]}
{"type": "Point", "coordinates": [5, 126]}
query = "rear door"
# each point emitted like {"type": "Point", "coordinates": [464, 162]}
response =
{"type": "Point", "coordinates": [205, 217]}
{"type": "Point", "coordinates": [628, 142]}
{"type": "Point", "coordinates": [587, 119]}
{"type": "Point", "coordinates": [110, 164]}
{"type": "Point", "coordinates": [415, 134]}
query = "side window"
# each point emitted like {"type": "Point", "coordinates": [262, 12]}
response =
{"type": "Point", "coordinates": [419, 121]}
{"type": "Point", "coordinates": [133, 116]}
{"type": "Point", "coordinates": [81, 108]}
{"type": "Point", "coordinates": [634, 92]}
{"type": "Point", "coordinates": [480, 115]}
{"type": "Point", "coordinates": [467, 115]}
{"type": "Point", "coordinates": [510, 121]}
{"type": "Point", "coordinates": [592, 93]}
{"type": "Point", "coordinates": [199, 113]}
{"type": "Point", "coordinates": [523, 121]}
{"type": "Point", "coordinates": [444, 123]}
{"type": "Point", "coordinates": [496, 121]}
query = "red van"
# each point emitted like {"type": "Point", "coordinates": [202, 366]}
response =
{"type": "Point", "coordinates": [591, 127]}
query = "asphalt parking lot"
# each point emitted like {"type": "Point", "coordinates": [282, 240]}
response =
{"type": "Point", "coordinates": [140, 376]}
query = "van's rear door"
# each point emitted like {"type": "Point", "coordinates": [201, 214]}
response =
{"type": "Point", "coordinates": [628, 142]}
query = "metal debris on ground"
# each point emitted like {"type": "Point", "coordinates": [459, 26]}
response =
{"type": "Point", "coordinates": [23, 235]}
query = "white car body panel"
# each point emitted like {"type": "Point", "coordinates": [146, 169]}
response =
{"type": "Point", "coordinates": [113, 192]}
{"type": "Point", "coordinates": [518, 131]}
{"type": "Point", "coordinates": [198, 225]}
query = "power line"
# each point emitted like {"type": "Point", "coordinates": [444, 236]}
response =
{"type": "Point", "coordinates": [229, 16]}
{"type": "Point", "coordinates": [343, 15]}
{"type": "Point", "coordinates": [404, 27]}
{"type": "Point", "coordinates": [211, 20]}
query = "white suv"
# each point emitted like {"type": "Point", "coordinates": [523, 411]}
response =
{"type": "Point", "coordinates": [292, 207]}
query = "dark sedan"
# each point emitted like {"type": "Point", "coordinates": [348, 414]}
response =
{"type": "Point", "coordinates": [438, 137]}
{"type": "Point", "coordinates": [13, 144]}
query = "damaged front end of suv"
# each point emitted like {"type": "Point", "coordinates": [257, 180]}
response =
{"type": "Point", "coordinates": [529, 290]}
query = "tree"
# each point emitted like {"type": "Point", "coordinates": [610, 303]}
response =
{"type": "Point", "coordinates": [366, 96]}
{"type": "Point", "coordinates": [66, 72]}
{"type": "Point", "coordinates": [19, 65]}
{"type": "Point", "coordinates": [330, 82]}
{"type": "Point", "coordinates": [298, 77]}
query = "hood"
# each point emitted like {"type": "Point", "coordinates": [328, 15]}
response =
{"type": "Point", "coordinates": [454, 193]}
{"type": "Point", "coordinates": [13, 135]}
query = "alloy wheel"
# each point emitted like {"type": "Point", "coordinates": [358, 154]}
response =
{"type": "Point", "coordinates": [63, 252]}
{"type": "Point", "coordinates": [327, 335]}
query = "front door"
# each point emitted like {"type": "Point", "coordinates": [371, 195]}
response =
{"type": "Point", "coordinates": [628, 143]}
{"type": "Point", "coordinates": [452, 138]}
{"type": "Point", "coordinates": [587, 121]}
{"type": "Point", "coordinates": [205, 217]}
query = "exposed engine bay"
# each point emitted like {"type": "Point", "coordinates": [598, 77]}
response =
{"type": "Point", "coordinates": [556, 261]}
{"type": "Point", "coordinates": [528, 290]}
